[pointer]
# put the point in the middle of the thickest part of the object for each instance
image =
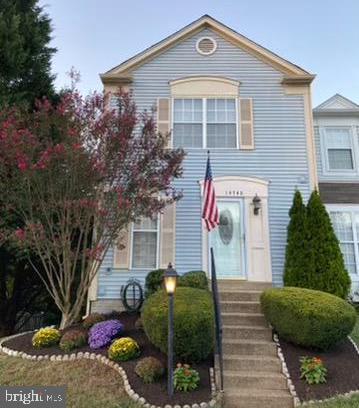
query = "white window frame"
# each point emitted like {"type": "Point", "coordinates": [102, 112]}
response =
{"type": "Point", "coordinates": [325, 156]}
{"type": "Point", "coordinates": [352, 209]}
{"type": "Point", "coordinates": [157, 245]}
{"type": "Point", "coordinates": [204, 121]}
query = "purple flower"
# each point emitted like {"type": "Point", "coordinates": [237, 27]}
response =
{"type": "Point", "coordinates": [101, 334]}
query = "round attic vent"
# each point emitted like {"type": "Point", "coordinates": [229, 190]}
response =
{"type": "Point", "coordinates": [206, 45]}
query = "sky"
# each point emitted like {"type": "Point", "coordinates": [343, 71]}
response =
{"type": "Point", "coordinates": [321, 36]}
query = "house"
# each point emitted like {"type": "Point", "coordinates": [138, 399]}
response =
{"type": "Point", "coordinates": [336, 127]}
{"type": "Point", "coordinates": [217, 90]}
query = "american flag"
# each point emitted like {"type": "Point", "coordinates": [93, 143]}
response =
{"type": "Point", "coordinates": [210, 212]}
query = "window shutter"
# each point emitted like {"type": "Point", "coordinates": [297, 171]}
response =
{"type": "Point", "coordinates": [122, 250]}
{"type": "Point", "coordinates": [167, 230]}
{"type": "Point", "coordinates": [246, 134]}
{"type": "Point", "coordinates": [164, 117]}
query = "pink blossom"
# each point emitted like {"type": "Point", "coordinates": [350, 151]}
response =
{"type": "Point", "coordinates": [20, 234]}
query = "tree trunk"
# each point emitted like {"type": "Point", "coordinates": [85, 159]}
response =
{"type": "Point", "coordinates": [65, 321]}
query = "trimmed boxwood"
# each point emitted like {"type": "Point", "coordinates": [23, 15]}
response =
{"type": "Point", "coordinates": [193, 322]}
{"type": "Point", "coordinates": [194, 279]}
{"type": "Point", "coordinates": [308, 318]}
{"type": "Point", "coordinates": [154, 280]}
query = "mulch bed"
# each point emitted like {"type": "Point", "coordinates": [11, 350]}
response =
{"type": "Point", "coordinates": [342, 363]}
{"type": "Point", "coordinates": [156, 393]}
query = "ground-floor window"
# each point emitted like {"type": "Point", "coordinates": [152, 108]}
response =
{"type": "Point", "coordinates": [145, 243]}
{"type": "Point", "coordinates": [346, 225]}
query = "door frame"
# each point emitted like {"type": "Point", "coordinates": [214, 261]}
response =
{"type": "Point", "coordinates": [243, 232]}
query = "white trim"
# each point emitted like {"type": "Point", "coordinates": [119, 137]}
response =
{"type": "Point", "coordinates": [131, 267]}
{"type": "Point", "coordinates": [213, 41]}
{"type": "Point", "coordinates": [201, 78]}
{"type": "Point", "coordinates": [324, 151]}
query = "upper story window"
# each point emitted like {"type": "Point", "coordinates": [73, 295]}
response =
{"type": "Point", "coordinates": [338, 144]}
{"type": "Point", "coordinates": [205, 123]}
{"type": "Point", "coordinates": [145, 243]}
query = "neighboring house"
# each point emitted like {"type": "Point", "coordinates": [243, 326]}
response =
{"type": "Point", "coordinates": [217, 90]}
{"type": "Point", "coordinates": [336, 126]}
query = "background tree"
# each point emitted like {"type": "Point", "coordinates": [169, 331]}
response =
{"type": "Point", "coordinates": [329, 273]}
{"type": "Point", "coordinates": [25, 58]}
{"type": "Point", "coordinates": [74, 195]}
{"type": "Point", "coordinates": [298, 268]}
{"type": "Point", "coordinates": [25, 54]}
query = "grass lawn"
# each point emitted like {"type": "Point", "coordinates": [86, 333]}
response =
{"type": "Point", "coordinates": [355, 334]}
{"type": "Point", "coordinates": [352, 402]}
{"type": "Point", "coordinates": [90, 384]}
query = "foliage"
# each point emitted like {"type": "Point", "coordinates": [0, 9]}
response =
{"type": "Point", "coordinates": [154, 281]}
{"type": "Point", "coordinates": [150, 369]}
{"type": "Point", "coordinates": [313, 370]}
{"type": "Point", "coordinates": [73, 339]}
{"type": "Point", "coordinates": [193, 322]}
{"type": "Point", "coordinates": [297, 268]}
{"type": "Point", "coordinates": [97, 174]}
{"type": "Point", "coordinates": [124, 349]}
{"type": "Point", "coordinates": [194, 279]}
{"type": "Point", "coordinates": [46, 337]}
{"type": "Point", "coordinates": [328, 272]}
{"type": "Point", "coordinates": [101, 334]}
{"type": "Point", "coordinates": [92, 319]}
{"type": "Point", "coordinates": [307, 317]}
{"type": "Point", "coordinates": [25, 54]}
{"type": "Point", "coordinates": [185, 378]}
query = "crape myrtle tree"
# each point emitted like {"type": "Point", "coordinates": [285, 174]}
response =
{"type": "Point", "coordinates": [74, 195]}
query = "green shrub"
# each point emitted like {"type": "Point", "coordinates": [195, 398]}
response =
{"type": "Point", "coordinates": [73, 339]}
{"type": "Point", "coordinates": [46, 337]}
{"type": "Point", "coordinates": [92, 319]}
{"type": "Point", "coordinates": [154, 280]}
{"type": "Point", "coordinates": [194, 279]}
{"type": "Point", "coordinates": [124, 349]}
{"type": "Point", "coordinates": [150, 369]}
{"type": "Point", "coordinates": [193, 322]}
{"type": "Point", "coordinates": [328, 272]}
{"type": "Point", "coordinates": [185, 378]}
{"type": "Point", "coordinates": [307, 317]}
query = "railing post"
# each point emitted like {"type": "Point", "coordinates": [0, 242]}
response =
{"type": "Point", "coordinates": [218, 317]}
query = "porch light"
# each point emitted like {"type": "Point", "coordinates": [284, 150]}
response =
{"type": "Point", "coordinates": [170, 281]}
{"type": "Point", "coordinates": [257, 204]}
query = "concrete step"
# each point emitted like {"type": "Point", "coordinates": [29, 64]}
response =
{"type": "Point", "coordinates": [230, 284]}
{"type": "Point", "coordinates": [235, 362]}
{"type": "Point", "coordinates": [240, 295]}
{"type": "Point", "coordinates": [257, 398]}
{"type": "Point", "coordinates": [241, 306]}
{"type": "Point", "coordinates": [249, 347]}
{"type": "Point", "coordinates": [247, 319]}
{"type": "Point", "coordinates": [246, 332]}
{"type": "Point", "coordinates": [251, 379]}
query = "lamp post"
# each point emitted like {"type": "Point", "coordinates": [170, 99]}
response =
{"type": "Point", "coordinates": [170, 281]}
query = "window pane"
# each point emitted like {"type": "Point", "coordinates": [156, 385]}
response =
{"type": "Point", "coordinates": [340, 159]}
{"type": "Point", "coordinates": [221, 111]}
{"type": "Point", "coordinates": [146, 224]}
{"type": "Point", "coordinates": [144, 249]}
{"type": "Point", "coordinates": [349, 257]}
{"type": "Point", "coordinates": [337, 138]}
{"type": "Point", "coordinates": [187, 135]}
{"type": "Point", "coordinates": [221, 135]}
{"type": "Point", "coordinates": [356, 220]}
{"type": "Point", "coordinates": [342, 224]}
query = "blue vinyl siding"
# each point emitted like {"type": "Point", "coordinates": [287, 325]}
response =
{"type": "Point", "coordinates": [280, 154]}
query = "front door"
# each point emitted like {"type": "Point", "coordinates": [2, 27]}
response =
{"type": "Point", "coordinates": [227, 241]}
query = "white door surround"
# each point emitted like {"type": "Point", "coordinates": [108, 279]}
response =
{"type": "Point", "coordinates": [257, 257]}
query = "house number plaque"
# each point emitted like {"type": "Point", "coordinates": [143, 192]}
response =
{"type": "Point", "coordinates": [233, 192]}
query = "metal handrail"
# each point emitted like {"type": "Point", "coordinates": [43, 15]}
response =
{"type": "Point", "coordinates": [218, 317]}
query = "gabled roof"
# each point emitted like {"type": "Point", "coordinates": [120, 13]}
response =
{"type": "Point", "coordinates": [337, 105]}
{"type": "Point", "coordinates": [293, 73]}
